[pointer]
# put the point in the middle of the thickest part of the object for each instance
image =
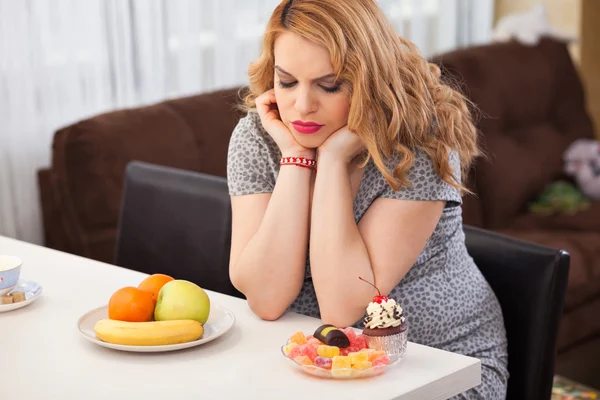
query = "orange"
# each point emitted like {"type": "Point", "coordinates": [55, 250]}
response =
{"type": "Point", "coordinates": [131, 304]}
{"type": "Point", "coordinates": [154, 283]}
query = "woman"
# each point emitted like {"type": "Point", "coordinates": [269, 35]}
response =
{"type": "Point", "coordinates": [335, 86]}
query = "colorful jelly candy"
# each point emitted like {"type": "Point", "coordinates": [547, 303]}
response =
{"type": "Point", "coordinates": [341, 366]}
{"type": "Point", "coordinates": [298, 338]}
{"type": "Point", "coordinates": [288, 348]}
{"type": "Point", "coordinates": [295, 352]}
{"type": "Point", "coordinates": [323, 362]}
{"type": "Point", "coordinates": [357, 358]}
{"type": "Point", "coordinates": [328, 351]}
{"type": "Point", "coordinates": [341, 362]}
{"type": "Point", "coordinates": [383, 360]}
{"type": "Point", "coordinates": [308, 350]}
{"type": "Point", "coordinates": [359, 341]}
{"type": "Point", "coordinates": [348, 350]}
{"type": "Point", "coordinates": [349, 331]}
{"type": "Point", "coordinates": [304, 360]}
{"type": "Point", "coordinates": [376, 354]}
{"type": "Point", "coordinates": [362, 365]}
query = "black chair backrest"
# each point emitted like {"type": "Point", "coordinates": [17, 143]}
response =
{"type": "Point", "coordinates": [178, 223]}
{"type": "Point", "coordinates": [530, 282]}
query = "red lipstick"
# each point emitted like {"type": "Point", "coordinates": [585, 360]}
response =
{"type": "Point", "coordinates": [306, 127]}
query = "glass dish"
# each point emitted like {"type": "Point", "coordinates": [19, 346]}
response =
{"type": "Point", "coordinates": [342, 373]}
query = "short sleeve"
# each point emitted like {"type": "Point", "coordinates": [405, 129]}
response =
{"type": "Point", "coordinates": [248, 159]}
{"type": "Point", "coordinates": [426, 184]}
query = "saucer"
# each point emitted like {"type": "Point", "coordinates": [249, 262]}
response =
{"type": "Point", "coordinates": [32, 291]}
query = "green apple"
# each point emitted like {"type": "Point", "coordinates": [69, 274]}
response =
{"type": "Point", "coordinates": [181, 299]}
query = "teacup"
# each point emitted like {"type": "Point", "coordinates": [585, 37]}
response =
{"type": "Point", "coordinates": [10, 270]}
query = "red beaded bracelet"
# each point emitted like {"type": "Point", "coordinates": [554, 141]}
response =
{"type": "Point", "coordinates": [299, 161]}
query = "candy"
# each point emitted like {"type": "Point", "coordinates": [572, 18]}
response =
{"type": "Point", "coordinates": [328, 351]}
{"type": "Point", "coordinates": [332, 336]}
{"type": "Point", "coordinates": [368, 350]}
{"type": "Point", "coordinates": [383, 360]}
{"type": "Point", "coordinates": [348, 350]}
{"type": "Point", "coordinates": [304, 360]}
{"type": "Point", "coordinates": [323, 362]}
{"type": "Point", "coordinates": [349, 331]}
{"type": "Point", "coordinates": [298, 338]}
{"type": "Point", "coordinates": [362, 365]}
{"type": "Point", "coordinates": [289, 348]}
{"type": "Point", "coordinates": [315, 342]}
{"type": "Point", "coordinates": [376, 354]}
{"type": "Point", "coordinates": [359, 341]}
{"type": "Point", "coordinates": [357, 358]}
{"type": "Point", "coordinates": [341, 363]}
{"type": "Point", "coordinates": [308, 350]}
{"type": "Point", "coordinates": [295, 351]}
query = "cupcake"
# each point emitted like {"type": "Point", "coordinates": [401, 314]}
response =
{"type": "Point", "coordinates": [385, 327]}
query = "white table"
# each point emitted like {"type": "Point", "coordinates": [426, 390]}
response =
{"type": "Point", "coordinates": [44, 357]}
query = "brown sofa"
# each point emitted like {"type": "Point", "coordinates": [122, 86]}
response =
{"type": "Point", "coordinates": [531, 103]}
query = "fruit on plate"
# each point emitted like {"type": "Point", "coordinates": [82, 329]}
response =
{"type": "Point", "coordinates": [180, 299]}
{"type": "Point", "coordinates": [153, 333]}
{"type": "Point", "coordinates": [154, 283]}
{"type": "Point", "coordinates": [131, 304]}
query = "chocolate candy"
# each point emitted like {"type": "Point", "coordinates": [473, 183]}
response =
{"type": "Point", "coordinates": [332, 336]}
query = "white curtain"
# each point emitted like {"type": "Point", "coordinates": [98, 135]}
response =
{"type": "Point", "coordinates": [65, 60]}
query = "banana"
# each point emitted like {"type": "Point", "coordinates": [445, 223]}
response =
{"type": "Point", "coordinates": [153, 333]}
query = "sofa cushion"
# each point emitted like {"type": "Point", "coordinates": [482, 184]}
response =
{"type": "Point", "coordinates": [90, 156]}
{"type": "Point", "coordinates": [212, 118]}
{"type": "Point", "coordinates": [531, 106]}
{"type": "Point", "coordinates": [584, 249]}
{"type": "Point", "coordinates": [584, 221]}
{"type": "Point", "coordinates": [579, 325]}
{"type": "Point", "coordinates": [517, 171]}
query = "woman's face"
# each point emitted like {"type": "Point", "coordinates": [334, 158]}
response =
{"type": "Point", "coordinates": [311, 103]}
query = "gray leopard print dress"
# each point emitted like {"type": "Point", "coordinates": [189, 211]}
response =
{"type": "Point", "coordinates": [448, 304]}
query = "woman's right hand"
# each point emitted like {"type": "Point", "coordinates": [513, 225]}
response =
{"type": "Point", "coordinates": [266, 105]}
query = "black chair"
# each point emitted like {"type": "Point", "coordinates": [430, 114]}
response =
{"type": "Point", "coordinates": [178, 223]}
{"type": "Point", "coordinates": [530, 282]}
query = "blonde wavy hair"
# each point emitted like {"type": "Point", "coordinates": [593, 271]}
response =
{"type": "Point", "coordinates": [397, 102]}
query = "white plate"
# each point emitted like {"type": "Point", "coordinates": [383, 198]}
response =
{"type": "Point", "coordinates": [220, 320]}
{"type": "Point", "coordinates": [32, 292]}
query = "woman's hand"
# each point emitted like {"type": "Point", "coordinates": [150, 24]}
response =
{"type": "Point", "coordinates": [342, 145]}
{"type": "Point", "coordinates": [266, 105]}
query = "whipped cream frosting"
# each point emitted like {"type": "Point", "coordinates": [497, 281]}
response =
{"type": "Point", "coordinates": [385, 315]}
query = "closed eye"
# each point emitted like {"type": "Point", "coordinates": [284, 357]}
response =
{"type": "Point", "coordinates": [328, 89]}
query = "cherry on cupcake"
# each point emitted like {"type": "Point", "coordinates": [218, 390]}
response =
{"type": "Point", "coordinates": [377, 299]}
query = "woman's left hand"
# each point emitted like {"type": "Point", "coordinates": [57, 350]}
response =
{"type": "Point", "coordinates": [343, 144]}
